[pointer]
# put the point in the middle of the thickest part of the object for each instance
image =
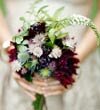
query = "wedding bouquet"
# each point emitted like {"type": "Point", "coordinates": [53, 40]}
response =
{"type": "Point", "coordinates": [42, 46]}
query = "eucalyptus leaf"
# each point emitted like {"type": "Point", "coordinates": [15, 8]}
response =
{"type": "Point", "coordinates": [26, 26]}
{"type": "Point", "coordinates": [25, 42]}
{"type": "Point", "coordinates": [22, 48]}
{"type": "Point", "coordinates": [18, 39]}
{"type": "Point", "coordinates": [23, 57]}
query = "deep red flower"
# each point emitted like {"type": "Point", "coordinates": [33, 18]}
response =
{"type": "Point", "coordinates": [67, 65]}
{"type": "Point", "coordinates": [67, 62]}
{"type": "Point", "coordinates": [64, 79]}
{"type": "Point", "coordinates": [12, 52]}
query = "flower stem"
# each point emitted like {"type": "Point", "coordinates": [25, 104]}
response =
{"type": "Point", "coordinates": [39, 102]}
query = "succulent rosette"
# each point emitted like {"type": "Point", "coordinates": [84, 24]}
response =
{"type": "Point", "coordinates": [43, 47]}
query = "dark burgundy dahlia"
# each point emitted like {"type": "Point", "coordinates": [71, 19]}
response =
{"type": "Point", "coordinates": [64, 79]}
{"type": "Point", "coordinates": [67, 62]}
{"type": "Point", "coordinates": [67, 65]}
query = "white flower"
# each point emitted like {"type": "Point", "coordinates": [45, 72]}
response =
{"type": "Point", "coordinates": [6, 44]}
{"type": "Point", "coordinates": [39, 39]}
{"type": "Point", "coordinates": [56, 52]}
{"type": "Point", "coordinates": [37, 51]}
{"type": "Point", "coordinates": [70, 42]}
{"type": "Point", "coordinates": [32, 47]}
{"type": "Point", "coordinates": [16, 66]}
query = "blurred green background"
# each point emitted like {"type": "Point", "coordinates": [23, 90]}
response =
{"type": "Point", "coordinates": [92, 14]}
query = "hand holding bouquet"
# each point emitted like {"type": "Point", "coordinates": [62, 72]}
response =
{"type": "Point", "coordinates": [43, 48]}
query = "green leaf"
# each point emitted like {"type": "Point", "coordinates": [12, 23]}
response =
{"type": "Point", "coordinates": [23, 57]}
{"type": "Point", "coordinates": [28, 77]}
{"type": "Point", "coordinates": [18, 39]}
{"type": "Point", "coordinates": [51, 35]}
{"type": "Point", "coordinates": [31, 64]}
{"type": "Point", "coordinates": [42, 8]}
{"type": "Point", "coordinates": [62, 35]}
{"type": "Point", "coordinates": [49, 44]}
{"type": "Point", "coordinates": [39, 102]}
{"type": "Point", "coordinates": [22, 19]}
{"type": "Point", "coordinates": [25, 42]}
{"type": "Point", "coordinates": [22, 48]}
{"type": "Point", "coordinates": [28, 64]}
{"type": "Point", "coordinates": [58, 12]}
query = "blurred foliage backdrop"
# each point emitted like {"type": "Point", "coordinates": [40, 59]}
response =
{"type": "Point", "coordinates": [2, 6]}
{"type": "Point", "coordinates": [92, 14]}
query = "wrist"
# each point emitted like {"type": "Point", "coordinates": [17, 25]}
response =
{"type": "Point", "coordinates": [79, 55]}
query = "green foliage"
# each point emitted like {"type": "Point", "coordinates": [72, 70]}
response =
{"type": "Point", "coordinates": [39, 102]}
{"type": "Point", "coordinates": [45, 72]}
{"type": "Point", "coordinates": [31, 64]}
{"type": "Point", "coordinates": [2, 7]}
{"type": "Point", "coordinates": [22, 48]}
{"type": "Point", "coordinates": [51, 35]}
{"type": "Point", "coordinates": [28, 77]}
{"type": "Point", "coordinates": [94, 9]}
{"type": "Point", "coordinates": [23, 57]}
{"type": "Point", "coordinates": [58, 12]}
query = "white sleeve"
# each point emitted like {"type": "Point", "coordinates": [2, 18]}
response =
{"type": "Point", "coordinates": [4, 70]}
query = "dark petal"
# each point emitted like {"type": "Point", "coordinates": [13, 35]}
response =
{"type": "Point", "coordinates": [59, 43]}
{"type": "Point", "coordinates": [36, 29]}
{"type": "Point", "coordinates": [68, 52]}
{"type": "Point", "coordinates": [12, 52]}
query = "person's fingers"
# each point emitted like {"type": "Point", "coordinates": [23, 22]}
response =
{"type": "Point", "coordinates": [31, 95]}
{"type": "Point", "coordinates": [53, 82]}
{"type": "Point", "coordinates": [45, 82]}
{"type": "Point", "coordinates": [40, 83]}
{"type": "Point", "coordinates": [53, 93]}
{"type": "Point", "coordinates": [30, 87]}
{"type": "Point", "coordinates": [16, 76]}
{"type": "Point", "coordinates": [53, 90]}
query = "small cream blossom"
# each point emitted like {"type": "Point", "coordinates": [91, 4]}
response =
{"type": "Point", "coordinates": [70, 42]}
{"type": "Point", "coordinates": [56, 52]}
{"type": "Point", "coordinates": [16, 66]}
{"type": "Point", "coordinates": [37, 51]}
{"type": "Point", "coordinates": [39, 39]}
{"type": "Point", "coordinates": [32, 47]}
